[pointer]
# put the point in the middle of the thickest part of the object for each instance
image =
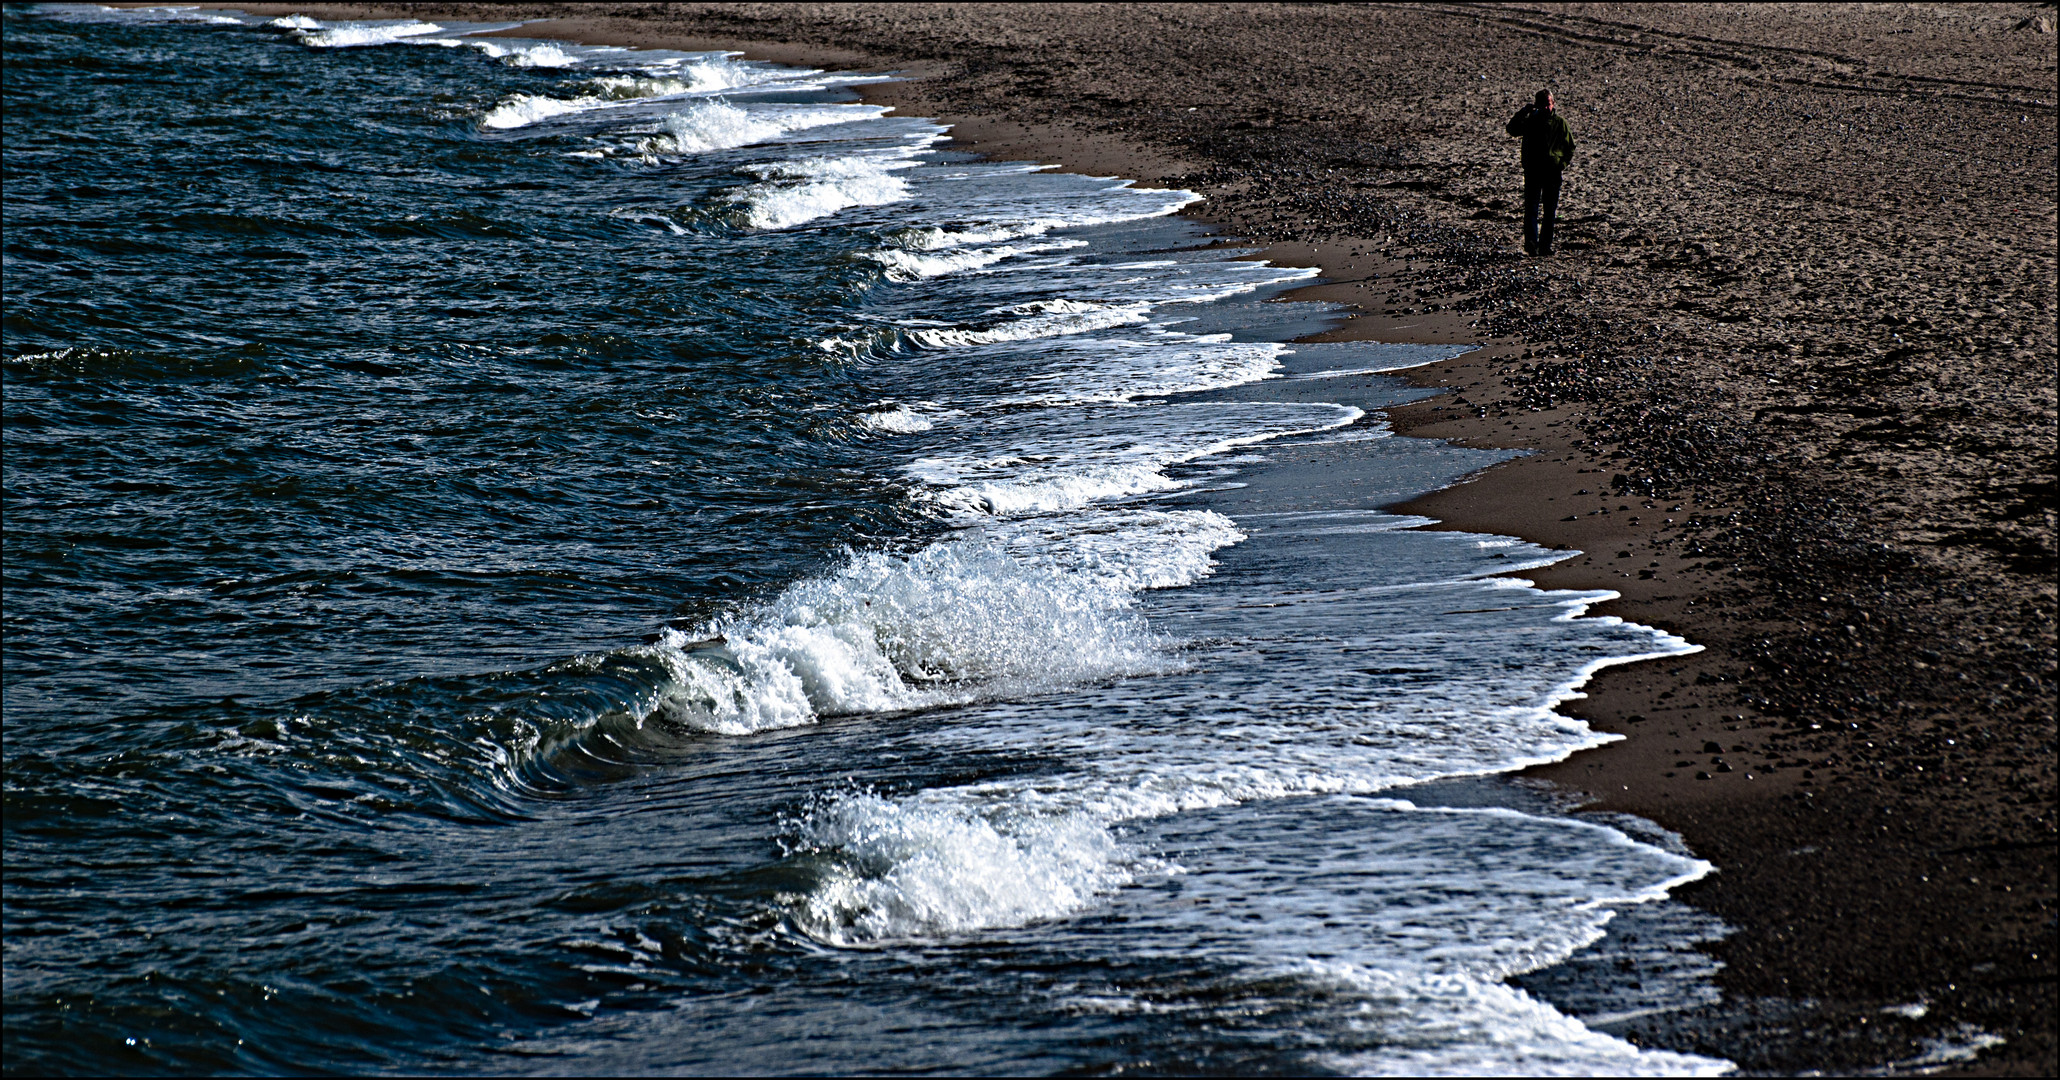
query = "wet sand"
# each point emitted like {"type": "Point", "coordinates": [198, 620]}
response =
{"type": "Point", "coordinates": [1789, 387]}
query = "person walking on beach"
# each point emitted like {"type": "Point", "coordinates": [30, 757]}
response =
{"type": "Point", "coordinates": [1548, 146]}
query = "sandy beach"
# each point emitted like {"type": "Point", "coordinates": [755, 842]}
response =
{"type": "Point", "coordinates": [1789, 386]}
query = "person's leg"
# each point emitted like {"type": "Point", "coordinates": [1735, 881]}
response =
{"type": "Point", "coordinates": [1532, 191]}
{"type": "Point", "coordinates": [1548, 190]}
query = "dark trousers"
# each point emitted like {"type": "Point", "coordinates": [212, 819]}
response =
{"type": "Point", "coordinates": [1541, 196]}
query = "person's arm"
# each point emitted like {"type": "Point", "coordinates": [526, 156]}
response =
{"type": "Point", "coordinates": [1516, 123]}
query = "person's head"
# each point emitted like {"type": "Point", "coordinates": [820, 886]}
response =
{"type": "Point", "coordinates": [1544, 100]}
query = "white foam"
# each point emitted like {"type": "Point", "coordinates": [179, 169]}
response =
{"type": "Point", "coordinates": [1106, 370]}
{"type": "Point", "coordinates": [797, 191]}
{"type": "Point", "coordinates": [358, 35]}
{"type": "Point", "coordinates": [1236, 279]}
{"type": "Point", "coordinates": [523, 110]}
{"type": "Point", "coordinates": [694, 78]}
{"type": "Point", "coordinates": [1455, 1025]}
{"type": "Point", "coordinates": [904, 265]}
{"type": "Point", "coordinates": [545, 55]}
{"type": "Point", "coordinates": [949, 861]}
{"type": "Point", "coordinates": [955, 622]}
{"type": "Point", "coordinates": [65, 353]}
{"type": "Point", "coordinates": [613, 91]}
{"type": "Point", "coordinates": [709, 125]}
{"type": "Point", "coordinates": [934, 867]}
{"type": "Point", "coordinates": [1127, 300]}
{"type": "Point", "coordinates": [719, 125]}
{"type": "Point", "coordinates": [1038, 319]}
{"type": "Point", "coordinates": [1396, 926]}
{"type": "Point", "coordinates": [1126, 549]}
{"type": "Point", "coordinates": [900, 420]}
{"type": "Point", "coordinates": [1046, 489]}
{"type": "Point", "coordinates": [1116, 203]}
{"type": "Point", "coordinates": [712, 73]}
{"type": "Point", "coordinates": [614, 88]}
{"type": "Point", "coordinates": [294, 22]}
{"type": "Point", "coordinates": [1020, 470]}
{"type": "Point", "coordinates": [1516, 893]}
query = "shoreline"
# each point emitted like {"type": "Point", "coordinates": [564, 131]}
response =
{"type": "Point", "coordinates": [1856, 883]}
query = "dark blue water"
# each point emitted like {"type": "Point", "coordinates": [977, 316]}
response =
{"type": "Point", "coordinates": [531, 558]}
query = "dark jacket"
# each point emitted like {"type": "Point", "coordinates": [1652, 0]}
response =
{"type": "Point", "coordinates": [1548, 142]}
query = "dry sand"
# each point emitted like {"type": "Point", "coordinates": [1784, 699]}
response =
{"type": "Point", "coordinates": [1790, 384]}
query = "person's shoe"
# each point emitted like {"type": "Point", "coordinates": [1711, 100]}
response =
{"type": "Point", "coordinates": [1543, 253]}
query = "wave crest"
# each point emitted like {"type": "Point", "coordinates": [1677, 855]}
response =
{"type": "Point", "coordinates": [957, 621]}
{"type": "Point", "coordinates": [928, 868]}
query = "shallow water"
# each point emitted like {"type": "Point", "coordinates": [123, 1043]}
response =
{"type": "Point", "coordinates": [527, 557]}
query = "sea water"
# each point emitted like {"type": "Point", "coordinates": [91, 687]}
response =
{"type": "Point", "coordinates": [528, 557]}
